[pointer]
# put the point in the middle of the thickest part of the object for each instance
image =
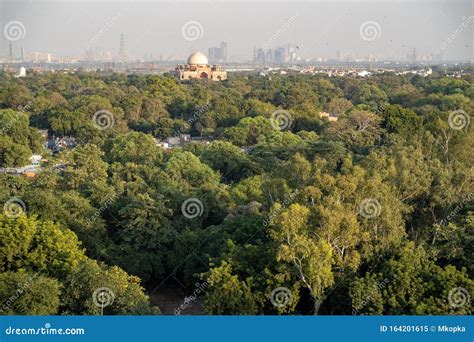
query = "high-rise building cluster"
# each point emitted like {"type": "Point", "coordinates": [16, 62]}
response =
{"type": "Point", "coordinates": [12, 55]}
{"type": "Point", "coordinates": [17, 54]}
{"type": "Point", "coordinates": [218, 54]}
{"type": "Point", "coordinates": [280, 55]}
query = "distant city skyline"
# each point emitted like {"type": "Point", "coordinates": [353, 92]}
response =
{"type": "Point", "coordinates": [283, 54]}
{"type": "Point", "coordinates": [172, 30]}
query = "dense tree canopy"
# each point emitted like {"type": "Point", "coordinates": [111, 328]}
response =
{"type": "Point", "coordinates": [369, 214]}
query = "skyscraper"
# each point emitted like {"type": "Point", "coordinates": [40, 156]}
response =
{"type": "Point", "coordinates": [213, 54]}
{"type": "Point", "coordinates": [218, 54]}
{"type": "Point", "coordinates": [280, 55]}
{"type": "Point", "coordinates": [260, 56]}
{"type": "Point", "coordinates": [122, 49]}
{"type": "Point", "coordinates": [224, 51]}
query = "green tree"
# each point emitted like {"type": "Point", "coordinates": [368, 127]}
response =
{"type": "Point", "coordinates": [138, 148]}
{"type": "Point", "coordinates": [409, 282]}
{"type": "Point", "coordinates": [28, 244]}
{"type": "Point", "coordinates": [309, 256]}
{"type": "Point", "coordinates": [123, 294]}
{"type": "Point", "coordinates": [229, 160]}
{"type": "Point", "coordinates": [227, 295]}
{"type": "Point", "coordinates": [25, 293]}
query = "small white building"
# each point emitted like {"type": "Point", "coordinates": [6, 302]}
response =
{"type": "Point", "coordinates": [22, 72]}
{"type": "Point", "coordinates": [363, 73]}
{"type": "Point", "coordinates": [30, 170]}
{"type": "Point", "coordinates": [35, 160]}
{"type": "Point", "coordinates": [179, 140]}
{"type": "Point", "coordinates": [163, 144]}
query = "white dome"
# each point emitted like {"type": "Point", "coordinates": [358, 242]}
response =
{"type": "Point", "coordinates": [197, 58]}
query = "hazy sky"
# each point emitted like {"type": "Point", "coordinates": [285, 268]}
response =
{"type": "Point", "coordinates": [319, 28]}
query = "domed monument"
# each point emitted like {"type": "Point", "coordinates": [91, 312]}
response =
{"type": "Point", "coordinates": [198, 67]}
